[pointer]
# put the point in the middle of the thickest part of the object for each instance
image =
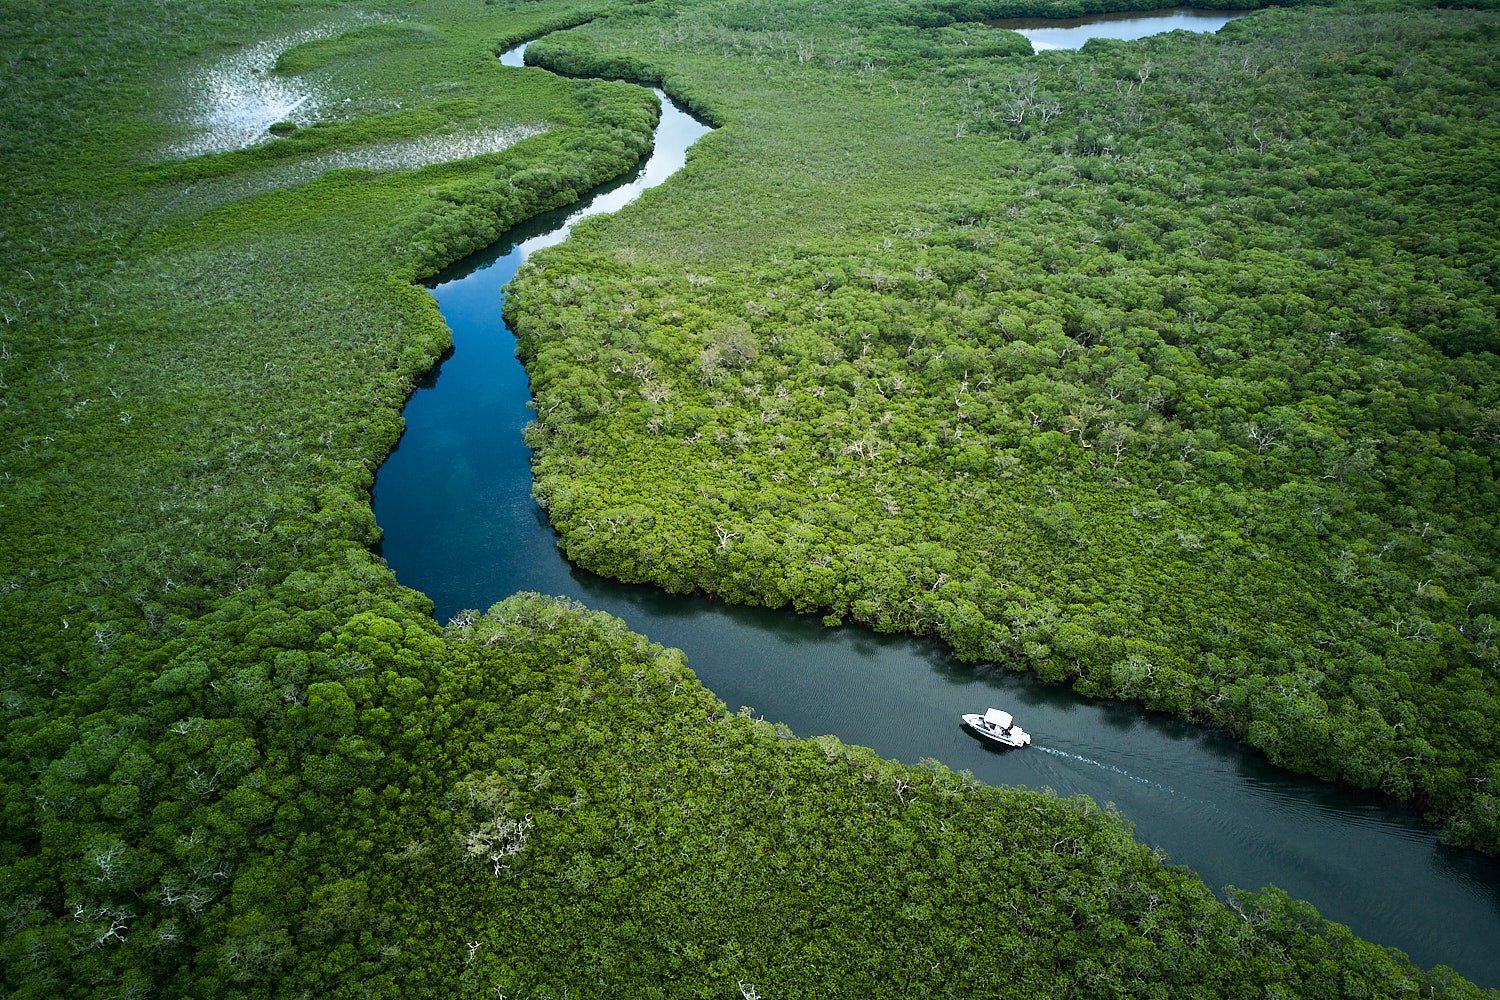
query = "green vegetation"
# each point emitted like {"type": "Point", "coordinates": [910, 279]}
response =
{"type": "Point", "coordinates": [1165, 368]}
{"type": "Point", "coordinates": [240, 760]}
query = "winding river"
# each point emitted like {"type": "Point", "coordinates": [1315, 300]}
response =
{"type": "Point", "coordinates": [460, 524]}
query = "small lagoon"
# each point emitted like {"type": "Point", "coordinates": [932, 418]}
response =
{"type": "Point", "coordinates": [1046, 33]}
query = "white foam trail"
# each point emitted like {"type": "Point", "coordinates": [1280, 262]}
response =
{"type": "Point", "coordinates": [1107, 767]}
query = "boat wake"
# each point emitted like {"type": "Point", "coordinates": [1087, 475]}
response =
{"type": "Point", "coordinates": [1108, 767]}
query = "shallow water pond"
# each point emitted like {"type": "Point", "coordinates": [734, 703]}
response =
{"type": "Point", "coordinates": [1071, 32]}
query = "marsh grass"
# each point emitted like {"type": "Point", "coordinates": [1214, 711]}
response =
{"type": "Point", "coordinates": [233, 103]}
{"type": "Point", "coordinates": [401, 154]}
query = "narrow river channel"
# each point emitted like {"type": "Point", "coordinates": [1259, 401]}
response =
{"type": "Point", "coordinates": [454, 500]}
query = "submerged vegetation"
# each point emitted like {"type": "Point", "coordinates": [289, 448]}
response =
{"type": "Point", "coordinates": [241, 760]}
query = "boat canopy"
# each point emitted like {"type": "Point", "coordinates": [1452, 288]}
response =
{"type": "Point", "coordinates": [999, 719]}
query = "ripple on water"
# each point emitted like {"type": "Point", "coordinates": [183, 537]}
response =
{"type": "Point", "coordinates": [1108, 767]}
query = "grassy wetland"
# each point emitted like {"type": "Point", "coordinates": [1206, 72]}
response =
{"type": "Point", "coordinates": [1165, 370]}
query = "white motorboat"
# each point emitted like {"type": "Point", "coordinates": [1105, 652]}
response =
{"type": "Point", "coordinates": [998, 727]}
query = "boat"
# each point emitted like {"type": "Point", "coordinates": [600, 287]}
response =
{"type": "Point", "coordinates": [998, 727]}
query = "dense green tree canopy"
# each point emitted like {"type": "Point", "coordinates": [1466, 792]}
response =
{"type": "Point", "coordinates": [1164, 368]}
{"type": "Point", "coordinates": [240, 760]}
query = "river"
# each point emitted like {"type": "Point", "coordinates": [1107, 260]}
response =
{"type": "Point", "coordinates": [454, 500]}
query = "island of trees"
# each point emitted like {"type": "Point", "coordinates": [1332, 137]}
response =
{"type": "Point", "coordinates": [1164, 369]}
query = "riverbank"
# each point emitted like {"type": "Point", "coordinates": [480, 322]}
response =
{"type": "Point", "coordinates": [240, 759]}
{"type": "Point", "coordinates": [459, 524]}
{"type": "Point", "coordinates": [1057, 373]}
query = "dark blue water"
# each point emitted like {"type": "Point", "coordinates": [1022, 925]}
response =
{"type": "Point", "coordinates": [1071, 32]}
{"type": "Point", "coordinates": [461, 526]}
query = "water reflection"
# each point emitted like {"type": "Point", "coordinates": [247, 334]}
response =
{"type": "Point", "coordinates": [1071, 32]}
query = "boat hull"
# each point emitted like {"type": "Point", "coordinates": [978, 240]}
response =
{"type": "Point", "coordinates": [1016, 739]}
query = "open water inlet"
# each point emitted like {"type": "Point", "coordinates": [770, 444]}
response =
{"type": "Point", "coordinates": [454, 501]}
